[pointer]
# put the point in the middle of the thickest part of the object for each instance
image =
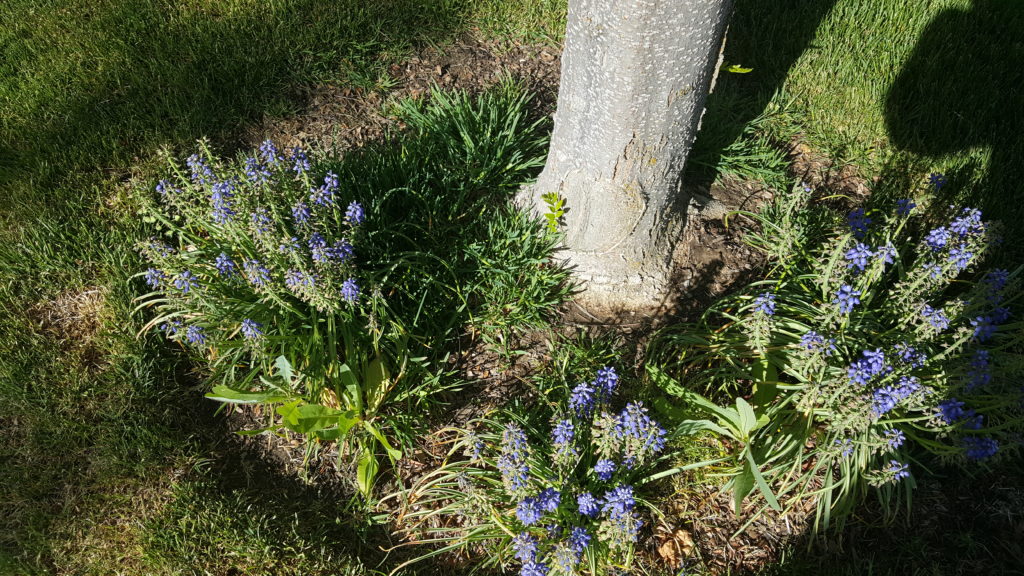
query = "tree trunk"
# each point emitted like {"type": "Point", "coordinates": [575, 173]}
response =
{"type": "Point", "coordinates": [635, 75]}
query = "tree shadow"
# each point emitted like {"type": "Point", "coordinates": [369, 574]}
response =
{"type": "Point", "coordinates": [143, 75]}
{"type": "Point", "coordinates": [960, 97]}
{"type": "Point", "coordinates": [768, 37]}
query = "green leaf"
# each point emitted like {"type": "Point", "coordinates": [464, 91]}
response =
{"type": "Point", "coordinates": [222, 393]}
{"type": "Point", "coordinates": [766, 379]}
{"type": "Point", "coordinates": [366, 471]}
{"type": "Point", "coordinates": [761, 484]}
{"type": "Point", "coordinates": [747, 419]}
{"type": "Point", "coordinates": [669, 384]}
{"type": "Point", "coordinates": [742, 484]}
{"type": "Point", "coordinates": [353, 393]}
{"type": "Point", "coordinates": [737, 69]}
{"type": "Point", "coordinates": [393, 454]}
{"type": "Point", "coordinates": [284, 369]}
{"type": "Point", "coordinates": [309, 418]}
{"type": "Point", "coordinates": [375, 376]}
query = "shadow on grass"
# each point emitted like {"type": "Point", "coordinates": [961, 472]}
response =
{"type": "Point", "coordinates": [961, 92]}
{"type": "Point", "coordinates": [768, 37]}
{"type": "Point", "coordinates": [101, 85]}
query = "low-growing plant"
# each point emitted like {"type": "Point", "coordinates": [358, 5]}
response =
{"type": "Point", "coordinates": [558, 499]}
{"type": "Point", "coordinates": [327, 287]}
{"type": "Point", "coordinates": [866, 339]}
{"type": "Point", "coordinates": [254, 270]}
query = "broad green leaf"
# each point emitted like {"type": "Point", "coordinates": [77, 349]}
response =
{"type": "Point", "coordinates": [393, 454]}
{"type": "Point", "coordinates": [689, 427]}
{"type": "Point", "coordinates": [742, 484]}
{"type": "Point", "coordinates": [353, 392]}
{"type": "Point", "coordinates": [765, 489]}
{"type": "Point", "coordinates": [284, 369]}
{"type": "Point", "coordinates": [376, 377]}
{"type": "Point", "coordinates": [766, 386]}
{"type": "Point", "coordinates": [747, 419]}
{"type": "Point", "coordinates": [366, 471]}
{"type": "Point", "coordinates": [309, 418]}
{"type": "Point", "coordinates": [222, 393]}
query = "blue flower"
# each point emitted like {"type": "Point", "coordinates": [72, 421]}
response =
{"type": "Point", "coordinates": [324, 195]}
{"type": "Point", "coordinates": [641, 436]}
{"type": "Point", "coordinates": [859, 256]}
{"type": "Point", "coordinates": [269, 152]}
{"type": "Point", "coordinates": [1000, 314]}
{"type": "Point", "coordinates": [846, 298]}
{"type": "Point", "coordinates": [260, 220]}
{"type": "Point", "coordinates": [354, 214]}
{"type": "Point", "coordinates": [301, 213]}
{"type": "Point", "coordinates": [579, 539]}
{"type": "Point", "coordinates": [871, 364]}
{"type": "Point", "coordinates": [225, 266]}
{"type": "Point", "coordinates": [564, 558]}
{"type": "Point", "coordinates": [765, 303]}
{"type": "Point", "coordinates": [996, 279]}
{"type": "Point", "coordinates": [318, 247]}
{"type": "Point", "coordinates": [936, 317]}
{"type": "Point", "coordinates": [256, 172]}
{"type": "Point", "coordinates": [980, 448]}
{"type": "Point", "coordinates": [934, 271]}
{"type": "Point", "coordinates": [201, 173]}
{"type": "Point", "coordinates": [894, 438]}
{"type": "Point", "coordinates": [952, 411]}
{"type": "Point", "coordinates": [887, 254]}
{"type": "Point", "coordinates": [846, 446]}
{"type": "Point", "coordinates": [588, 504]}
{"type": "Point", "coordinates": [606, 382]}
{"type": "Point", "coordinates": [186, 282]}
{"type": "Point", "coordinates": [604, 468]}
{"type": "Point", "coordinates": [289, 246]}
{"type": "Point", "coordinates": [529, 511]}
{"type": "Point", "coordinates": [562, 436]}
{"type": "Point", "coordinates": [154, 277]}
{"type": "Point", "coordinates": [582, 399]}
{"type": "Point", "coordinates": [301, 163]}
{"type": "Point", "coordinates": [984, 328]}
{"type": "Point", "coordinates": [618, 502]}
{"type": "Point", "coordinates": [514, 453]}
{"type": "Point", "coordinates": [195, 335]}
{"type": "Point", "coordinates": [549, 499]}
{"type": "Point", "coordinates": [341, 251]}
{"type": "Point", "coordinates": [910, 356]}
{"type": "Point", "coordinates": [251, 329]}
{"type": "Point", "coordinates": [171, 327]}
{"type": "Point", "coordinates": [960, 257]}
{"type": "Point", "coordinates": [904, 206]}
{"type": "Point", "coordinates": [898, 470]}
{"type": "Point", "coordinates": [859, 223]}
{"type": "Point", "coordinates": [164, 187]}
{"type": "Point", "coordinates": [937, 179]}
{"type": "Point", "coordinates": [937, 238]}
{"type": "Point", "coordinates": [256, 273]}
{"type": "Point", "coordinates": [534, 569]}
{"type": "Point", "coordinates": [969, 223]}
{"type": "Point", "coordinates": [814, 342]}
{"type": "Point", "coordinates": [350, 290]}
{"type": "Point", "coordinates": [525, 547]}
{"type": "Point", "coordinates": [220, 196]}
{"type": "Point", "coordinates": [297, 279]}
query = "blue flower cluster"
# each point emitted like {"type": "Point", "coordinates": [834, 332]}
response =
{"type": "Point", "coordinates": [814, 342]}
{"type": "Point", "coordinates": [897, 470]}
{"type": "Point", "coordinates": [846, 298]}
{"type": "Point", "coordinates": [515, 451]}
{"type": "Point", "coordinates": [587, 395]}
{"type": "Point", "coordinates": [871, 364]}
{"type": "Point", "coordinates": [859, 223]}
{"type": "Point", "coordinates": [765, 304]}
{"type": "Point", "coordinates": [886, 398]}
{"type": "Point", "coordinates": [936, 317]}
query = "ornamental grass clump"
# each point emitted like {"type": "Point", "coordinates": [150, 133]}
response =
{"type": "Point", "coordinates": [559, 499]}
{"type": "Point", "coordinates": [873, 337]}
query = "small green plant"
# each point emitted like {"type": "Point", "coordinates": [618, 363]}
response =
{"type": "Point", "coordinates": [864, 341]}
{"type": "Point", "coordinates": [556, 210]}
{"type": "Point", "coordinates": [563, 498]}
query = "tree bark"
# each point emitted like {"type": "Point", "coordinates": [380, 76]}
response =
{"type": "Point", "coordinates": [635, 76]}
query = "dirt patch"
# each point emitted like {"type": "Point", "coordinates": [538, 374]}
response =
{"type": "Point", "coordinates": [75, 320]}
{"type": "Point", "coordinates": [337, 118]}
{"type": "Point", "coordinates": [821, 172]}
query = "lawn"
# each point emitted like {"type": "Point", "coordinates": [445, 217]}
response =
{"type": "Point", "coordinates": [111, 460]}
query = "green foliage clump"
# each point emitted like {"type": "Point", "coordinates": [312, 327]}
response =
{"type": "Point", "coordinates": [328, 289]}
{"type": "Point", "coordinates": [872, 336]}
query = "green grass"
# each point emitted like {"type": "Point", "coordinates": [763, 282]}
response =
{"type": "Point", "coordinates": [895, 88]}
